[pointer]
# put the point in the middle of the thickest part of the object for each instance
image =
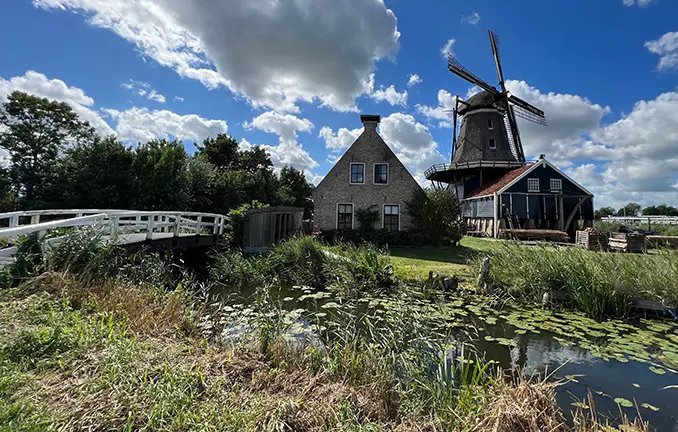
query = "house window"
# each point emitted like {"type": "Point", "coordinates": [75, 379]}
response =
{"type": "Point", "coordinates": [533, 185]}
{"type": "Point", "coordinates": [345, 216]}
{"type": "Point", "coordinates": [392, 217]}
{"type": "Point", "coordinates": [357, 173]}
{"type": "Point", "coordinates": [490, 124]}
{"type": "Point", "coordinates": [493, 143]}
{"type": "Point", "coordinates": [381, 173]}
{"type": "Point", "coordinates": [556, 185]}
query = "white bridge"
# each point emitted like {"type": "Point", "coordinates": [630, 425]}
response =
{"type": "Point", "coordinates": [167, 229]}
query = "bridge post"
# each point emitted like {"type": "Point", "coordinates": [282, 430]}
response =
{"type": "Point", "coordinates": [149, 233]}
{"type": "Point", "coordinates": [177, 225]}
{"type": "Point", "coordinates": [221, 225]}
{"type": "Point", "coordinates": [215, 227]}
{"type": "Point", "coordinates": [14, 222]}
{"type": "Point", "coordinates": [35, 219]}
{"type": "Point", "coordinates": [198, 226]}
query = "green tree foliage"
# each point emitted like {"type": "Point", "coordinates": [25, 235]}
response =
{"type": "Point", "coordinates": [367, 218]}
{"type": "Point", "coordinates": [436, 215]}
{"type": "Point", "coordinates": [222, 151]}
{"type": "Point", "coordinates": [7, 197]}
{"type": "Point", "coordinates": [34, 132]}
{"type": "Point", "coordinates": [295, 190]}
{"type": "Point", "coordinates": [660, 210]}
{"type": "Point", "coordinates": [97, 175]}
{"type": "Point", "coordinates": [604, 212]}
{"type": "Point", "coordinates": [630, 209]}
{"type": "Point", "coordinates": [161, 176]}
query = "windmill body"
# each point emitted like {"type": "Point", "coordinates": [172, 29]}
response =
{"type": "Point", "coordinates": [498, 188]}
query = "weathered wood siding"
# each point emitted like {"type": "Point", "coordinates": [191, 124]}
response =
{"type": "Point", "coordinates": [483, 207]}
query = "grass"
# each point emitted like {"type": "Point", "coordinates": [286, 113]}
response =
{"type": "Point", "coordinates": [600, 284]}
{"type": "Point", "coordinates": [414, 264]}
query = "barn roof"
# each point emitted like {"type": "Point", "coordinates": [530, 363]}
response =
{"type": "Point", "coordinates": [500, 183]}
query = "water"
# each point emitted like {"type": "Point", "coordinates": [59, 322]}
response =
{"type": "Point", "coordinates": [612, 359]}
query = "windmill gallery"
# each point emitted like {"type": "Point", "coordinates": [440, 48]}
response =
{"type": "Point", "coordinates": [501, 193]}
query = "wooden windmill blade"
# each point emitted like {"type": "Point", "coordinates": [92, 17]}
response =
{"type": "Point", "coordinates": [514, 135]}
{"type": "Point", "coordinates": [529, 116]}
{"type": "Point", "coordinates": [458, 69]}
{"type": "Point", "coordinates": [454, 120]}
{"type": "Point", "coordinates": [494, 43]}
{"type": "Point", "coordinates": [515, 100]}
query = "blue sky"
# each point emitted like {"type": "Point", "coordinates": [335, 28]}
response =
{"type": "Point", "coordinates": [294, 75]}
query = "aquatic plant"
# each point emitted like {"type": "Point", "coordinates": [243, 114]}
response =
{"type": "Point", "coordinates": [600, 284]}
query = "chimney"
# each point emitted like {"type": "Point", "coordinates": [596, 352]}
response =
{"type": "Point", "coordinates": [370, 121]}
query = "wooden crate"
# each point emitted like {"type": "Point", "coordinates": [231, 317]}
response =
{"type": "Point", "coordinates": [658, 241]}
{"type": "Point", "coordinates": [592, 240]}
{"type": "Point", "coordinates": [627, 242]}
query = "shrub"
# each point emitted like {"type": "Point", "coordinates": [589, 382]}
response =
{"type": "Point", "coordinates": [234, 271]}
{"type": "Point", "coordinates": [436, 216]}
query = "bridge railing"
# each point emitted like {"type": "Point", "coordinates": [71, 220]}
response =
{"type": "Point", "coordinates": [154, 224]}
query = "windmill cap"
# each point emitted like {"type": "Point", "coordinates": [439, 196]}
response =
{"type": "Point", "coordinates": [370, 118]}
{"type": "Point", "coordinates": [483, 99]}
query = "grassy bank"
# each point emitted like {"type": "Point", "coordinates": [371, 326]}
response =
{"type": "Point", "coordinates": [600, 284]}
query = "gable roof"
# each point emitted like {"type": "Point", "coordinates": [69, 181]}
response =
{"type": "Point", "coordinates": [510, 178]}
{"type": "Point", "coordinates": [500, 183]}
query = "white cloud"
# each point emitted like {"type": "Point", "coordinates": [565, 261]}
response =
{"type": "Point", "coordinates": [666, 47]}
{"type": "Point", "coordinates": [641, 3]}
{"type": "Point", "coordinates": [286, 126]}
{"type": "Point", "coordinates": [390, 95]}
{"type": "Point", "coordinates": [411, 141]}
{"type": "Point", "coordinates": [447, 48]}
{"type": "Point", "coordinates": [141, 125]}
{"type": "Point", "coordinates": [414, 80]}
{"type": "Point", "coordinates": [473, 19]}
{"type": "Point", "coordinates": [473, 90]}
{"type": "Point", "coordinates": [178, 99]}
{"type": "Point", "coordinates": [442, 112]}
{"type": "Point", "coordinates": [292, 55]}
{"type": "Point", "coordinates": [38, 84]}
{"type": "Point", "coordinates": [341, 140]}
{"type": "Point", "coordinates": [144, 89]}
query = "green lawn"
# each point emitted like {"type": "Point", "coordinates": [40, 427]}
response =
{"type": "Point", "coordinates": [414, 263]}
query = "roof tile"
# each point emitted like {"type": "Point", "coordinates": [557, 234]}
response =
{"type": "Point", "coordinates": [498, 184]}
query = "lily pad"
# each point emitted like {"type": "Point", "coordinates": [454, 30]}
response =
{"type": "Point", "coordinates": [650, 407]}
{"type": "Point", "coordinates": [623, 402]}
{"type": "Point", "coordinates": [658, 371]}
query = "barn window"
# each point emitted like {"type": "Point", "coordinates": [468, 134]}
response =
{"type": "Point", "coordinates": [381, 173]}
{"type": "Point", "coordinates": [391, 217]}
{"type": "Point", "coordinates": [556, 185]}
{"type": "Point", "coordinates": [357, 173]}
{"type": "Point", "coordinates": [345, 216]}
{"type": "Point", "coordinates": [490, 124]}
{"type": "Point", "coordinates": [533, 185]}
{"type": "Point", "coordinates": [493, 143]}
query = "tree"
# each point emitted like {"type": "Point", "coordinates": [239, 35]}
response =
{"type": "Point", "coordinates": [604, 212]}
{"type": "Point", "coordinates": [7, 198]}
{"type": "Point", "coordinates": [222, 151]}
{"type": "Point", "coordinates": [295, 190]}
{"type": "Point", "coordinates": [660, 210]}
{"type": "Point", "coordinates": [35, 132]}
{"type": "Point", "coordinates": [160, 174]}
{"type": "Point", "coordinates": [97, 175]}
{"type": "Point", "coordinates": [630, 209]}
{"type": "Point", "coordinates": [436, 214]}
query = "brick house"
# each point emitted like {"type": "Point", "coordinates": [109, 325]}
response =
{"type": "Point", "coordinates": [368, 174]}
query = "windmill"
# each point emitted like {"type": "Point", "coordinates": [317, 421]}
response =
{"type": "Point", "coordinates": [509, 105]}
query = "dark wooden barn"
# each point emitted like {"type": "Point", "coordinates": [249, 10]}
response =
{"type": "Point", "coordinates": [536, 196]}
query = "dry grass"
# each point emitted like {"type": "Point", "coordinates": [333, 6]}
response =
{"type": "Point", "coordinates": [587, 420]}
{"type": "Point", "coordinates": [525, 407]}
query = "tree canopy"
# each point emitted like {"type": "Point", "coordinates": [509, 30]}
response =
{"type": "Point", "coordinates": [56, 160]}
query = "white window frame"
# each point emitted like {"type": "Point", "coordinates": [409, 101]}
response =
{"type": "Point", "coordinates": [336, 214]}
{"type": "Point", "coordinates": [383, 213]}
{"type": "Point", "coordinates": [490, 124]}
{"type": "Point", "coordinates": [558, 183]}
{"type": "Point", "coordinates": [490, 141]}
{"type": "Point", "coordinates": [374, 173]}
{"type": "Point", "coordinates": [529, 185]}
{"type": "Point", "coordinates": [350, 175]}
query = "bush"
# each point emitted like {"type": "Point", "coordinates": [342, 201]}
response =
{"type": "Point", "coordinates": [234, 271]}
{"type": "Point", "coordinates": [436, 216]}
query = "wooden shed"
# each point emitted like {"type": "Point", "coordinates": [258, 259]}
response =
{"type": "Point", "coordinates": [267, 226]}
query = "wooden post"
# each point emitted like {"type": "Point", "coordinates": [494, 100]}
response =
{"type": "Point", "coordinates": [198, 226]}
{"type": "Point", "coordinates": [177, 225]}
{"type": "Point", "coordinates": [14, 221]}
{"type": "Point", "coordinates": [149, 228]}
{"type": "Point", "coordinates": [35, 219]}
{"type": "Point", "coordinates": [495, 226]}
{"type": "Point", "coordinates": [561, 214]}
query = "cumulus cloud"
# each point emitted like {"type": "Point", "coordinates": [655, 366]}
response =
{"type": "Point", "coordinates": [178, 99]}
{"type": "Point", "coordinates": [38, 84]}
{"type": "Point", "coordinates": [474, 18]}
{"type": "Point", "coordinates": [292, 55]}
{"type": "Point", "coordinates": [286, 126]}
{"type": "Point", "coordinates": [411, 141]}
{"type": "Point", "coordinates": [141, 125]}
{"type": "Point", "coordinates": [341, 140]}
{"type": "Point", "coordinates": [447, 48]}
{"type": "Point", "coordinates": [667, 48]}
{"type": "Point", "coordinates": [390, 95]}
{"type": "Point", "coordinates": [442, 112]}
{"type": "Point", "coordinates": [413, 80]}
